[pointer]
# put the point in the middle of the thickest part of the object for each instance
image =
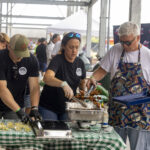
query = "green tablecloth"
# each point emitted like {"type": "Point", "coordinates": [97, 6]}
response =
{"type": "Point", "coordinates": [82, 140]}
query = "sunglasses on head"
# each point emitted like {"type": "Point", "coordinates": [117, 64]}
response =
{"type": "Point", "coordinates": [77, 35]}
{"type": "Point", "coordinates": [128, 43]}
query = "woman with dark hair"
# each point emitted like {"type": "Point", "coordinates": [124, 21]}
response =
{"type": "Point", "coordinates": [64, 74]}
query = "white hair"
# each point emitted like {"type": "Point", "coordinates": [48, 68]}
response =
{"type": "Point", "coordinates": [129, 28]}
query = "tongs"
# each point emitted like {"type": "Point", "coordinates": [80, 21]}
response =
{"type": "Point", "coordinates": [79, 101]}
{"type": "Point", "coordinates": [89, 91]}
{"type": "Point", "coordinates": [37, 128]}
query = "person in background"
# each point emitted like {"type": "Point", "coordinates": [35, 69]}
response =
{"type": "Point", "coordinates": [128, 63]}
{"type": "Point", "coordinates": [64, 74]}
{"type": "Point", "coordinates": [4, 40]}
{"type": "Point", "coordinates": [32, 46]}
{"type": "Point", "coordinates": [57, 47]}
{"type": "Point", "coordinates": [55, 38]}
{"type": "Point", "coordinates": [17, 66]}
{"type": "Point", "coordinates": [41, 56]}
{"type": "Point", "coordinates": [37, 44]}
{"type": "Point", "coordinates": [86, 61]}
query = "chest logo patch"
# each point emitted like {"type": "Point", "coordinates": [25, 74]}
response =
{"type": "Point", "coordinates": [22, 71]}
{"type": "Point", "coordinates": [79, 72]}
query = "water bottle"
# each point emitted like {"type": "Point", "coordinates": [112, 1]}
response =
{"type": "Point", "coordinates": [105, 117]}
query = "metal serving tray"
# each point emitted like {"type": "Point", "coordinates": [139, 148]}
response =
{"type": "Point", "coordinates": [57, 134]}
{"type": "Point", "coordinates": [85, 115]}
{"type": "Point", "coordinates": [75, 105]}
{"type": "Point", "coordinates": [55, 130]}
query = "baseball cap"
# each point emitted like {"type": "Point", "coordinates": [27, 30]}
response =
{"type": "Point", "coordinates": [19, 44]}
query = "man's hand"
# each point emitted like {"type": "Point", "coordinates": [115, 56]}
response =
{"type": "Point", "coordinates": [67, 90]}
{"type": "Point", "coordinates": [91, 81]}
{"type": "Point", "coordinates": [35, 114]}
{"type": "Point", "coordinates": [23, 116]}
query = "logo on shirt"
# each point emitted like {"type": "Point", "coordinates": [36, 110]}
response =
{"type": "Point", "coordinates": [22, 71]}
{"type": "Point", "coordinates": [79, 72]}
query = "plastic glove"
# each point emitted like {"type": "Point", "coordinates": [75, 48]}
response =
{"type": "Point", "coordinates": [23, 116]}
{"type": "Point", "coordinates": [34, 113]}
{"type": "Point", "coordinates": [68, 91]}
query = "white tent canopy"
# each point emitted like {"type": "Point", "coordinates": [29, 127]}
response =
{"type": "Point", "coordinates": [76, 23]}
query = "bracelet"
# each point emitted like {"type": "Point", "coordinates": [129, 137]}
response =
{"type": "Point", "coordinates": [34, 107]}
{"type": "Point", "coordinates": [18, 109]}
{"type": "Point", "coordinates": [64, 83]}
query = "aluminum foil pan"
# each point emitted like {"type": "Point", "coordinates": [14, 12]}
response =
{"type": "Point", "coordinates": [85, 115]}
{"type": "Point", "coordinates": [74, 105]}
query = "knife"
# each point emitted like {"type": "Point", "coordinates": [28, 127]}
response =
{"type": "Point", "coordinates": [79, 101]}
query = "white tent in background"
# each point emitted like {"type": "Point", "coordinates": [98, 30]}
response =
{"type": "Point", "coordinates": [77, 22]}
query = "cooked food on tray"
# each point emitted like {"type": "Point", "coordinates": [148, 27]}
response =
{"type": "Point", "coordinates": [16, 126]}
{"type": "Point", "coordinates": [94, 100]}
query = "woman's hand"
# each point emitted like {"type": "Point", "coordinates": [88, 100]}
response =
{"type": "Point", "coordinates": [67, 90]}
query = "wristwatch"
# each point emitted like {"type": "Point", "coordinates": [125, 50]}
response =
{"type": "Point", "coordinates": [64, 83]}
{"type": "Point", "coordinates": [34, 107]}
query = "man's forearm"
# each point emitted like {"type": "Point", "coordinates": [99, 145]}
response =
{"type": "Point", "coordinates": [34, 97]}
{"type": "Point", "coordinates": [99, 73]}
{"type": "Point", "coordinates": [8, 99]}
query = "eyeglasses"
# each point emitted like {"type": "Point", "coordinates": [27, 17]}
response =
{"type": "Point", "coordinates": [128, 43]}
{"type": "Point", "coordinates": [15, 71]}
{"type": "Point", "coordinates": [77, 35]}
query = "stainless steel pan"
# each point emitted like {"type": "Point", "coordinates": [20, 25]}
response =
{"type": "Point", "coordinates": [79, 101]}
